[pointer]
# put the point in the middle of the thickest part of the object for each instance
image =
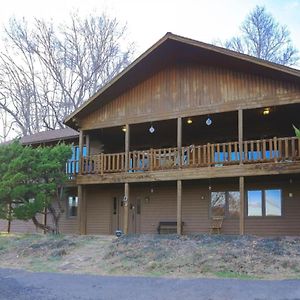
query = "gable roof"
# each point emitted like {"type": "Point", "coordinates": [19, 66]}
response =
{"type": "Point", "coordinates": [48, 136]}
{"type": "Point", "coordinates": [173, 48]}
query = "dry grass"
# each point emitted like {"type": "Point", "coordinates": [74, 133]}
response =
{"type": "Point", "coordinates": [164, 255]}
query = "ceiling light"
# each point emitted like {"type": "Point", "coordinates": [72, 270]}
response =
{"type": "Point", "coordinates": [189, 121]}
{"type": "Point", "coordinates": [151, 129]}
{"type": "Point", "coordinates": [208, 121]}
{"type": "Point", "coordinates": [266, 111]}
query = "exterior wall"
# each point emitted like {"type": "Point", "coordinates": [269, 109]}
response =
{"type": "Point", "coordinates": [99, 209]}
{"type": "Point", "coordinates": [187, 88]}
{"type": "Point", "coordinates": [18, 226]}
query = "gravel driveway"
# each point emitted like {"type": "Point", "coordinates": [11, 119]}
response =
{"type": "Point", "coordinates": [21, 285]}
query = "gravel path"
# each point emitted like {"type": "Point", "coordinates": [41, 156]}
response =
{"type": "Point", "coordinates": [22, 285]}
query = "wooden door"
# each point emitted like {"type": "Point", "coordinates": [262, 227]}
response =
{"type": "Point", "coordinates": [117, 214]}
{"type": "Point", "coordinates": [135, 215]}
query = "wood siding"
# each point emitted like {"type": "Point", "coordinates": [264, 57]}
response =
{"type": "Point", "coordinates": [99, 210]}
{"type": "Point", "coordinates": [160, 205]}
{"type": "Point", "coordinates": [188, 89]}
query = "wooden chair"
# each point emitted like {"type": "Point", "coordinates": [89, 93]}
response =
{"type": "Point", "coordinates": [216, 225]}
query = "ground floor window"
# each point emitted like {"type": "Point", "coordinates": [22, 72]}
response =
{"type": "Point", "coordinates": [264, 203]}
{"type": "Point", "coordinates": [72, 206]}
{"type": "Point", "coordinates": [225, 204]}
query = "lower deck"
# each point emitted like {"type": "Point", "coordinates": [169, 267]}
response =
{"type": "Point", "coordinates": [152, 203]}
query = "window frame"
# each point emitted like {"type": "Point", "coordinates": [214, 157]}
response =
{"type": "Point", "coordinates": [263, 203]}
{"type": "Point", "coordinates": [226, 208]}
{"type": "Point", "coordinates": [68, 207]}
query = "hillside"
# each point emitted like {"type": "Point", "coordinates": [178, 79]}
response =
{"type": "Point", "coordinates": [153, 255]}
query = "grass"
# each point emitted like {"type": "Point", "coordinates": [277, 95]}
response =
{"type": "Point", "coordinates": [246, 257]}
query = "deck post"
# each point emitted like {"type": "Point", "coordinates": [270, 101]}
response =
{"type": "Point", "coordinates": [80, 152]}
{"type": "Point", "coordinates": [125, 202]}
{"type": "Point", "coordinates": [87, 143]}
{"type": "Point", "coordinates": [81, 210]}
{"type": "Point", "coordinates": [127, 147]}
{"type": "Point", "coordinates": [240, 133]}
{"type": "Point", "coordinates": [242, 205]}
{"type": "Point", "coordinates": [179, 139]}
{"type": "Point", "coordinates": [179, 207]}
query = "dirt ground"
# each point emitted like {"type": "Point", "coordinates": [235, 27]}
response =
{"type": "Point", "coordinates": [247, 257]}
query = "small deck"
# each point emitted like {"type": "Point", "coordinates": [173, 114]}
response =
{"type": "Point", "coordinates": [266, 156]}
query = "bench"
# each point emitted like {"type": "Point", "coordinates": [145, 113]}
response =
{"type": "Point", "coordinates": [168, 227]}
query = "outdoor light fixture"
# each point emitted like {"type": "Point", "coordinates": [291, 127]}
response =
{"type": "Point", "coordinates": [189, 121]}
{"type": "Point", "coordinates": [151, 129]}
{"type": "Point", "coordinates": [208, 121]}
{"type": "Point", "coordinates": [266, 111]}
{"type": "Point", "coordinates": [124, 128]}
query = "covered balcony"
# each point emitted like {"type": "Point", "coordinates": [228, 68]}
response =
{"type": "Point", "coordinates": [253, 142]}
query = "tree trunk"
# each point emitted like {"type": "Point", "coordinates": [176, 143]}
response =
{"type": "Point", "coordinates": [9, 218]}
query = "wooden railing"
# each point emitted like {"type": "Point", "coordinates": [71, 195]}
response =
{"type": "Point", "coordinates": [215, 155]}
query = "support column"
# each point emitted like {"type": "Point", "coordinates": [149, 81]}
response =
{"type": "Point", "coordinates": [179, 207]}
{"type": "Point", "coordinates": [179, 139]}
{"type": "Point", "coordinates": [125, 201]}
{"type": "Point", "coordinates": [242, 205]}
{"type": "Point", "coordinates": [240, 133]}
{"type": "Point", "coordinates": [126, 185]}
{"type": "Point", "coordinates": [80, 151]}
{"type": "Point", "coordinates": [81, 210]}
{"type": "Point", "coordinates": [87, 144]}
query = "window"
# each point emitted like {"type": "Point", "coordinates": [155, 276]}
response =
{"type": "Point", "coordinates": [233, 204]}
{"type": "Point", "coordinates": [225, 204]}
{"type": "Point", "coordinates": [273, 202]}
{"type": "Point", "coordinates": [218, 204]}
{"type": "Point", "coordinates": [255, 203]}
{"type": "Point", "coordinates": [73, 163]}
{"type": "Point", "coordinates": [72, 206]}
{"type": "Point", "coordinates": [264, 203]}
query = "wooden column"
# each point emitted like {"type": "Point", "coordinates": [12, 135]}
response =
{"type": "Point", "coordinates": [179, 207]}
{"type": "Point", "coordinates": [242, 205]}
{"type": "Point", "coordinates": [80, 151]}
{"type": "Point", "coordinates": [240, 133]}
{"type": "Point", "coordinates": [126, 202]}
{"type": "Point", "coordinates": [87, 143]}
{"type": "Point", "coordinates": [179, 138]}
{"type": "Point", "coordinates": [81, 210]}
{"type": "Point", "coordinates": [127, 146]}
{"type": "Point", "coordinates": [126, 185]}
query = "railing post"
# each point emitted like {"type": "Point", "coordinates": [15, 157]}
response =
{"type": "Point", "coordinates": [102, 163]}
{"type": "Point", "coordinates": [275, 149]}
{"type": "Point", "coordinates": [151, 159]}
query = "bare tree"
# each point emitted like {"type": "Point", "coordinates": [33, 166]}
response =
{"type": "Point", "coordinates": [47, 71]}
{"type": "Point", "coordinates": [262, 36]}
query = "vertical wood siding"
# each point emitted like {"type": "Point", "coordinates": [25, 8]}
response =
{"type": "Point", "coordinates": [186, 87]}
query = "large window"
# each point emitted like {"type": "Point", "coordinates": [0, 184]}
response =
{"type": "Point", "coordinates": [72, 206]}
{"type": "Point", "coordinates": [225, 204]}
{"type": "Point", "coordinates": [264, 203]}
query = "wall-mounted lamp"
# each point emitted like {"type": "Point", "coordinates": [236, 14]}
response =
{"type": "Point", "coordinates": [189, 121]}
{"type": "Point", "coordinates": [266, 111]}
{"type": "Point", "coordinates": [124, 128]}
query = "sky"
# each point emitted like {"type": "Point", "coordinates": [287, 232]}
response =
{"type": "Point", "coordinates": [147, 21]}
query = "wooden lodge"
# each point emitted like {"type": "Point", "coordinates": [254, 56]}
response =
{"type": "Point", "coordinates": [188, 133]}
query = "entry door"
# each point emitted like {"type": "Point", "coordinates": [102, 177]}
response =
{"type": "Point", "coordinates": [135, 215]}
{"type": "Point", "coordinates": [117, 213]}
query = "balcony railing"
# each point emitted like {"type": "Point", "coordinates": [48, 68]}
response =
{"type": "Point", "coordinates": [214, 155]}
